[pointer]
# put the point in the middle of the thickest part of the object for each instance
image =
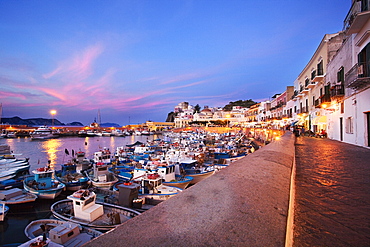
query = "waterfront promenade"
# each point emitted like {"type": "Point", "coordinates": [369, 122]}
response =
{"type": "Point", "coordinates": [247, 204]}
{"type": "Point", "coordinates": [332, 199]}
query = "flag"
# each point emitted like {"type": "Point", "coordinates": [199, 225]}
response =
{"type": "Point", "coordinates": [73, 152]}
{"type": "Point", "coordinates": [66, 151]}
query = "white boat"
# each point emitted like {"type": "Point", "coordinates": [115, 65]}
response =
{"type": "Point", "coordinates": [101, 177]}
{"type": "Point", "coordinates": [16, 196]}
{"type": "Point", "coordinates": [42, 184]}
{"type": "Point", "coordinates": [62, 233]}
{"type": "Point", "coordinates": [81, 208]}
{"type": "Point", "coordinates": [43, 132]}
{"type": "Point", "coordinates": [104, 155]}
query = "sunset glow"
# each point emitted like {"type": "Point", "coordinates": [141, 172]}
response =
{"type": "Point", "coordinates": [134, 61]}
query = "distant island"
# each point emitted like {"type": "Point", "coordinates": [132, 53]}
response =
{"type": "Point", "coordinates": [36, 122]}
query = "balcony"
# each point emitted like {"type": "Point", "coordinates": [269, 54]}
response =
{"type": "Point", "coordinates": [325, 98]}
{"type": "Point", "coordinates": [337, 91]}
{"type": "Point", "coordinates": [357, 17]}
{"type": "Point", "coordinates": [312, 84]}
{"type": "Point", "coordinates": [319, 78]}
{"type": "Point", "coordinates": [357, 77]}
{"type": "Point", "coordinates": [305, 90]}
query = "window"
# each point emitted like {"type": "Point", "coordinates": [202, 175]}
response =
{"type": "Point", "coordinates": [349, 125]}
{"type": "Point", "coordinates": [320, 68]}
{"type": "Point", "coordinates": [340, 75]}
{"type": "Point", "coordinates": [364, 62]}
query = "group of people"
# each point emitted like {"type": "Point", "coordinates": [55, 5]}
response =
{"type": "Point", "coordinates": [300, 130]}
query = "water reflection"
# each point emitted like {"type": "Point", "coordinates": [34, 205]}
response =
{"type": "Point", "coordinates": [51, 147]}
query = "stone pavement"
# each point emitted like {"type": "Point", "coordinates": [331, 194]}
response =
{"type": "Point", "coordinates": [332, 199]}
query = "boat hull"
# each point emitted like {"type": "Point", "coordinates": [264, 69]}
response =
{"type": "Point", "coordinates": [47, 193]}
{"type": "Point", "coordinates": [64, 210]}
{"type": "Point", "coordinates": [180, 182]}
{"type": "Point", "coordinates": [197, 177]}
{"type": "Point", "coordinates": [105, 185]}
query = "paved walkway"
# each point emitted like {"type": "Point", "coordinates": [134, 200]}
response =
{"type": "Point", "coordinates": [332, 206]}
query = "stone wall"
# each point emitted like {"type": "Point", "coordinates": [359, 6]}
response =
{"type": "Point", "coordinates": [245, 204]}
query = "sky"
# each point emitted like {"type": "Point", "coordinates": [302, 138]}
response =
{"type": "Point", "coordinates": [134, 61]}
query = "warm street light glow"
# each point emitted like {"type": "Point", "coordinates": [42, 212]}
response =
{"type": "Point", "coordinates": [324, 106]}
{"type": "Point", "coordinates": [53, 112]}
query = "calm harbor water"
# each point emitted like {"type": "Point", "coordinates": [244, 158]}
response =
{"type": "Point", "coordinates": [40, 152]}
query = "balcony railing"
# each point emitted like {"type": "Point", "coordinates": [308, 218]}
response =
{"type": "Point", "coordinates": [325, 98]}
{"type": "Point", "coordinates": [357, 16]}
{"type": "Point", "coordinates": [357, 77]}
{"type": "Point", "coordinates": [337, 91]}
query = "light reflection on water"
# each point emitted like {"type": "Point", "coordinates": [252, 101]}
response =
{"type": "Point", "coordinates": [41, 152]}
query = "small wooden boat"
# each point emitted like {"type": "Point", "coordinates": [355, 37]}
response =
{"type": "Point", "coordinates": [16, 196]}
{"type": "Point", "coordinates": [81, 208]}
{"type": "Point", "coordinates": [101, 177]}
{"type": "Point", "coordinates": [60, 232]}
{"type": "Point", "coordinates": [72, 179]}
{"type": "Point", "coordinates": [42, 184]}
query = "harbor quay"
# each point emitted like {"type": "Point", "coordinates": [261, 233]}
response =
{"type": "Point", "coordinates": [296, 191]}
{"type": "Point", "coordinates": [245, 204]}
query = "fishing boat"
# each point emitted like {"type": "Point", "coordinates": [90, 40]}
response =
{"type": "Point", "coordinates": [60, 232]}
{"type": "Point", "coordinates": [13, 169]}
{"type": "Point", "coordinates": [81, 208]}
{"type": "Point", "coordinates": [103, 156]}
{"type": "Point", "coordinates": [196, 171]}
{"type": "Point", "coordinates": [166, 172]}
{"type": "Point", "coordinates": [42, 183]}
{"type": "Point", "coordinates": [101, 177]}
{"type": "Point", "coordinates": [43, 132]}
{"type": "Point", "coordinates": [3, 211]}
{"type": "Point", "coordinates": [150, 180]}
{"type": "Point", "coordinates": [72, 179]}
{"type": "Point", "coordinates": [16, 196]}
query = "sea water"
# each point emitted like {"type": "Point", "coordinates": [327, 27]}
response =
{"type": "Point", "coordinates": [56, 152]}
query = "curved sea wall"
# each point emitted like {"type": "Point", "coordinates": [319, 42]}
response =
{"type": "Point", "coordinates": [245, 204]}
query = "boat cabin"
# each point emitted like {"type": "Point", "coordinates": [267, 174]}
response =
{"type": "Point", "coordinates": [68, 168]}
{"type": "Point", "coordinates": [84, 205]}
{"type": "Point", "coordinates": [63, 233]}
{"type": "Point", "coordinates": [100, 172]}
{"type": "Point", "coordinates": [103, 156]}
{"type": "Point", "coordinates": [150, 183]}
{"type": "Point", "coordinates": [43, 176]}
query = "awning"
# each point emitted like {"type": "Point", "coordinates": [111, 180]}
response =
{"type": "Point", "coordinates": [319, 120]}
{"type": "Point", "coordinates": [294, 123]}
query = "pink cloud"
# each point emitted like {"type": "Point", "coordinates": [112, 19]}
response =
{"type": "Point", "coordinates": [79, 66]}
{"type": "Point", "coordinates": [4, 95]}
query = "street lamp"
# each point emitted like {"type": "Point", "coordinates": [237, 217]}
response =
{"type": "Point", "coordinates": [52, 112]}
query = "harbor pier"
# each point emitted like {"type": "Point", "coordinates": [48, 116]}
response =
{"type": "Point", "coordinates": [245, 204]}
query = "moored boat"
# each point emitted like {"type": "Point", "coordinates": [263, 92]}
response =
{"type": "Point", "coordinates": [101, 177]}
{"type": "Point", "coordinates": [42, 184]}
{"type": "Point", "coordinates": [16, 196]}
{"type": "Point", "coordinates": [43, 132]}
{"type": "Point", "coordinates": [60, 232]}
{"type": "Point", "coordinates": [81, 208]}
{"type": "Point", "coordinates": [72, 179]}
